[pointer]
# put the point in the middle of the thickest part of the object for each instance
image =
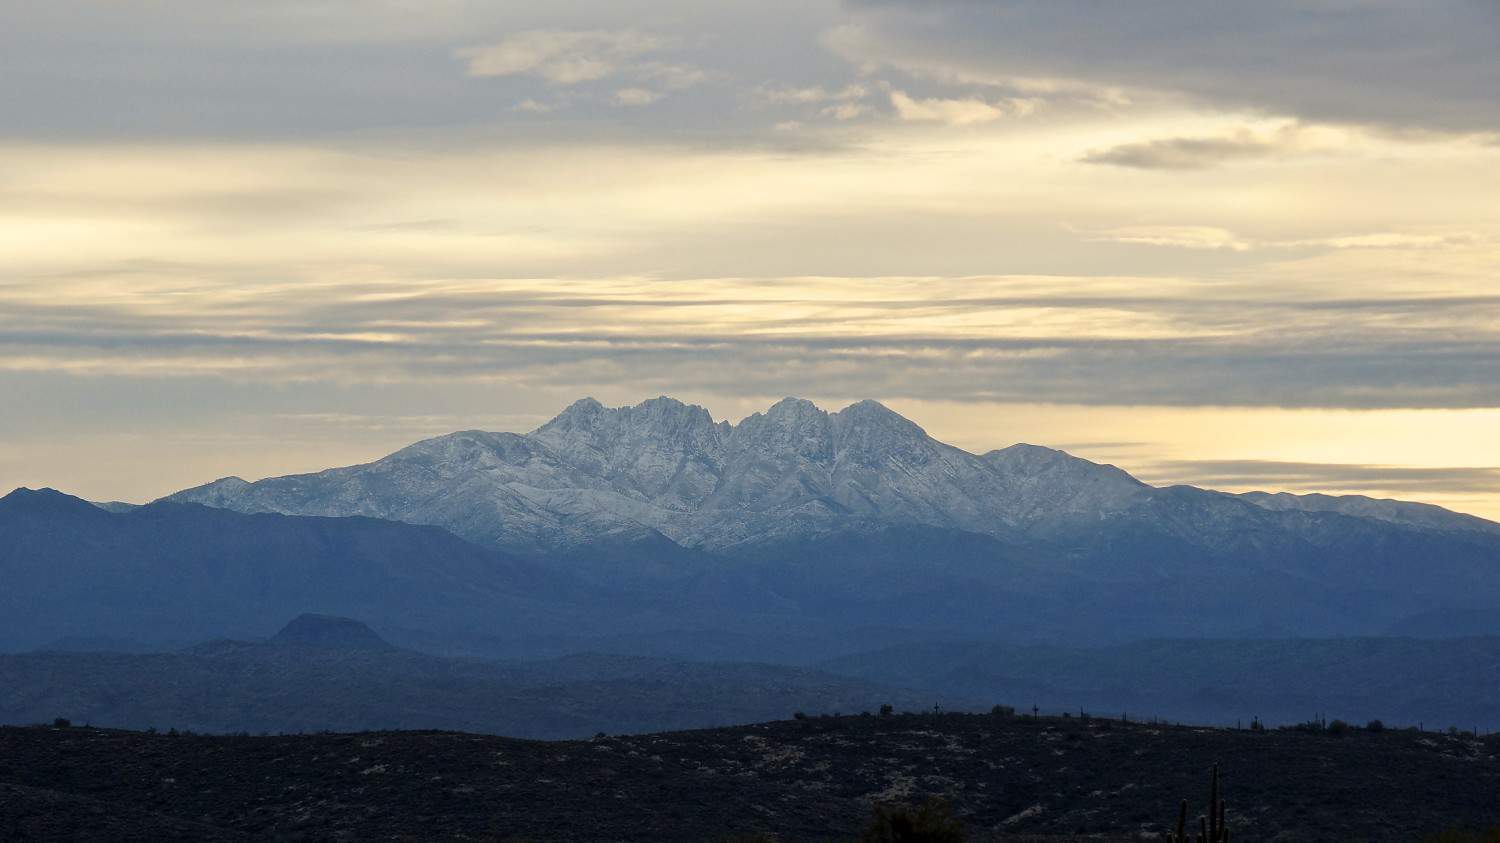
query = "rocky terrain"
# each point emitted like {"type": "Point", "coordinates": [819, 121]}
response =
{"type": "Point", "coordinates": [1009, 778]}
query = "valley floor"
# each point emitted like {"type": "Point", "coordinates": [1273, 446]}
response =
{"type": "Point", "coordinates": [1010, 778]}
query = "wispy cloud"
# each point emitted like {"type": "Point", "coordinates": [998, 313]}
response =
{"type": "Point", "coordinates": [953, 112]}
{"type": "Point", "coordinates": [564, 57]}
{"type": "Point", "coordinates": [1319, 477]}
{"type": "Point", "coordinates": [1177, 236]}
{"type": "Point", "coordinates": [812, 95]}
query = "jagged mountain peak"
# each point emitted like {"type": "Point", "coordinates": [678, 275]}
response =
{"type": "Point", "coordinates": [659, 423]}
{"type": "Point", "coordinates": [870, 425]}
{"type": "Point", "coordinates": [791, 410]}
{"type": "Point", "coordinates": [870, 411]}
{"type": "Point", "coordinates": [790, 428]}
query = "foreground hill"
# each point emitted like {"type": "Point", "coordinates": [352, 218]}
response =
{"type": "Point", "coordinates": [799, 780]}
{"type": "Point", "coordinates": [323, 673]}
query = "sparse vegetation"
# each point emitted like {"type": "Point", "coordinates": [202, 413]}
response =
{"type": "Point", "coordinates": [931, 822]}
{"type": "Point", "coordinates": [808, 780]}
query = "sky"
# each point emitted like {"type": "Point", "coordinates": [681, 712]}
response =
{"type": "Point", "coordinates": [1246, 246]}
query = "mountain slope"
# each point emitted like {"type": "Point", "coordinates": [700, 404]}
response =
{"type": "Point", "coordinates": [173, 572]}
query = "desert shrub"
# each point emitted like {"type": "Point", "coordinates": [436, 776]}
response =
{"type": "Point", "coordinates": [1003, 711]}
{"type": "Point", "coordinates": [1337, 727]}
{"type": "Point", "coordinates": [799, 715]}
{"type": "Point", "coordinates": [886, 710]}
{"type": "Point", "coordinates": [62, 723]}
{"type": "Point", "coordinates": [1375, 726]}
{"type": "Point", "coordinates": [932, 822]}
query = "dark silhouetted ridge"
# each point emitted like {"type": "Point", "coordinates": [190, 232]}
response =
{"type": "Point", "coordinates": [41, 502]}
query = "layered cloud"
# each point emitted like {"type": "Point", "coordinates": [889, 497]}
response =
{"type": "Point", "coordinates": [1006, 339]}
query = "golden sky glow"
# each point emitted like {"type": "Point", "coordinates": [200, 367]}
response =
{"type": "Point", "coordinates": [232, 267]}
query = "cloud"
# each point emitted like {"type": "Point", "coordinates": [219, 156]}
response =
{"type": "Point", "coordinates": [1184, 153]}
{"type": "Point", "coordinates": [846, 103]}
{"type": "Point", "coordinates": [636, 96]}
{"type": "Point", "coordinates": [813, 95]}
{"type": "Point", "coordinates": [533, 106]}
{"type": "Point", "coordinates": [953, 112]}
{"type": "Point", "coordinates": [561, 57]}
{"type": "Point", "coordinates": [845, 110]}
{"type": "Point", "coordinates": [1178, 236]}
{"type": "Point", "coordinates": [1063, 340]}
{"type": "Point", "coordinates": [1392, 63]}
{"type": "Point", "coordinates": [1241, 144]}
{"type": "Point", "coordinates": [1214, 238]}
{"type": "Point", "coordinates": [1316, 476]}
{"type": "Point", "coordinates": [1385, 240]}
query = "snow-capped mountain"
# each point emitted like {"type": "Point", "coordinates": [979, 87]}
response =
{"type": "Point", "coordinates": [668, 467]}
{"type": "Point", "coordinates": [792, 471]}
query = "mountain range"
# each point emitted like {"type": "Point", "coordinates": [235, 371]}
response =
{"type": "Point", "coordinates": [793, 472]}
{"type": "Point", "coordinates": [859, 517]}
{"type": "Point", "coordinates": [794, 536]}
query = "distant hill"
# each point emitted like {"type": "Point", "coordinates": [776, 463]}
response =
{"type": "Point", "coordinates": [323, 673]}
{"type": "Point", "coordinates": [329, 633]}
{"type": "Point", "coordinates": [1403, 681]}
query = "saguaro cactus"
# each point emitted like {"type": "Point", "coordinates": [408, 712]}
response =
{"type": "Point", "coordinates": [1212, 828]}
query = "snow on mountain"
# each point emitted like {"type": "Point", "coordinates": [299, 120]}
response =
{"type": "Point", "coordinates": [792, 471]}
{"type": "Point", "coordinates": [1406, 513]}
